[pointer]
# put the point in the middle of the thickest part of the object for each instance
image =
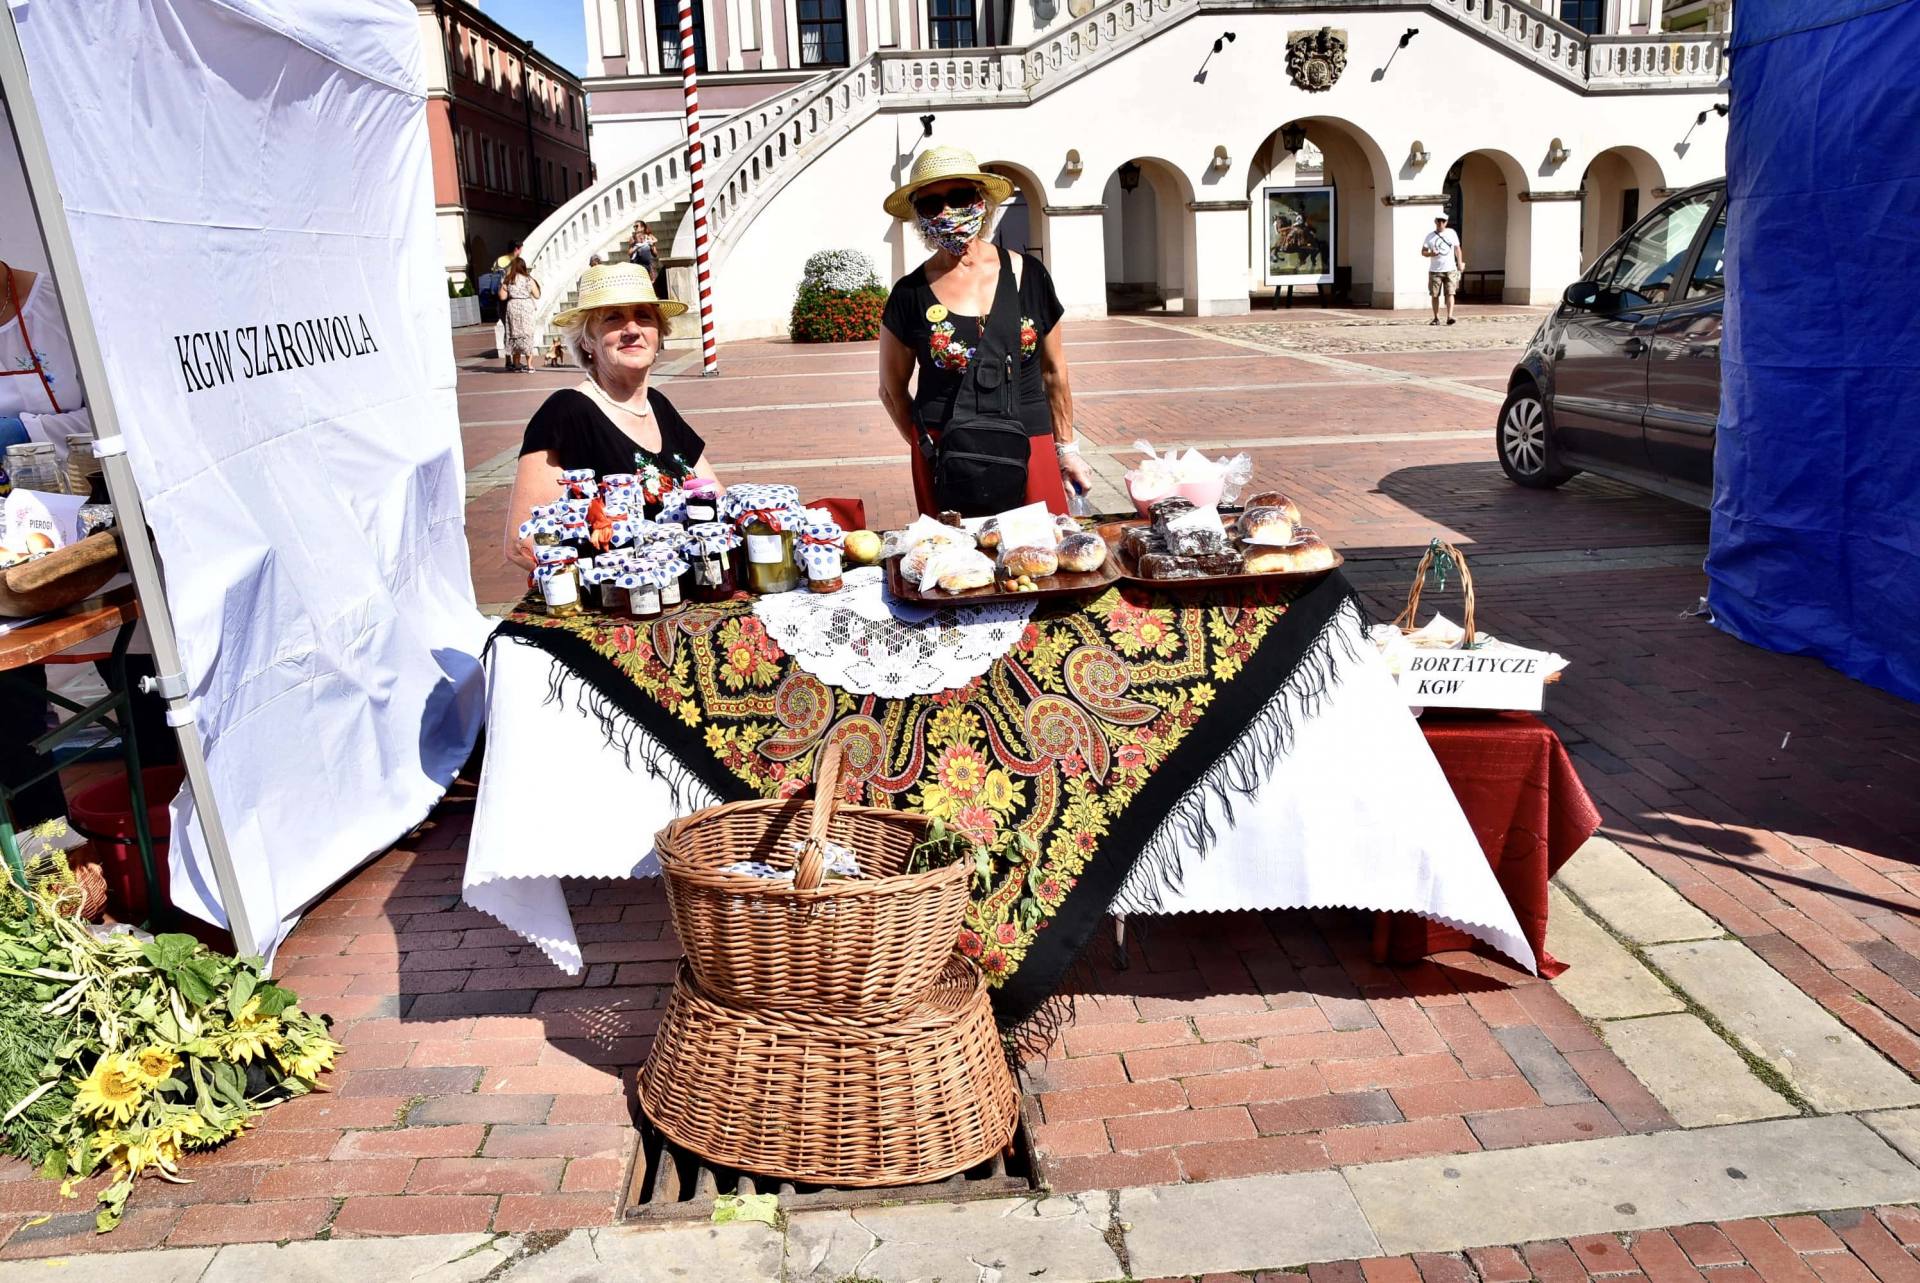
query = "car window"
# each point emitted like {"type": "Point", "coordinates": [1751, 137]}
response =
{"type": "Point", "coordinates": [1644, 275]}
{"type": "Point", "coordinates": [1710, 270]}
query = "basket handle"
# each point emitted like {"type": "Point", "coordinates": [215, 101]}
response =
{"type": "Point", "coordinates": [810, 870]}
{"type": "Point", "coordinates": [1404, 621]}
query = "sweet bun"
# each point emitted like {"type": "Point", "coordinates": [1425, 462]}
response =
{"type": "Point", "coordinates": [914, 564]}
{"type": "Point", "coordinates": [1029, 561]}
{"type": "Point", "coordinates": [970, 575]}
{"type": "Point", "coordinates": [989, 533]}
{"type": "Point", "coordinates": [1274, 499]}
{"type": "Point", "coordinates": [1303, 558]}
{"type": "Point", "coordinates": [1266, 525]}
{"type": "Point", "coordinates": [1082, 553]}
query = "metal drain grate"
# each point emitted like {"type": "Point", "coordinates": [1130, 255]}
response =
{"type": "Point", "coordinates": [670, 1183]}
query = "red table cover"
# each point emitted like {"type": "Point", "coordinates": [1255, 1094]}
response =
{"type": "Point", "coordinates": [1528, 808]}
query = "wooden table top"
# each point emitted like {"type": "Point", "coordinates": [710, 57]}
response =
{"type": "Point", "coordinates": [35, 642]}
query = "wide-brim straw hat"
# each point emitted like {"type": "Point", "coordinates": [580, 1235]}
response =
{"type": "Point", "coordinates": [938, 164]}
{"type": "Point", "coordinates": [616, 285]}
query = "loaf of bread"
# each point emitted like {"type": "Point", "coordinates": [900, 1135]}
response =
{"type": "Point", "coordinates": [1037, 562]}
{"type": "Point", "coordinates": [1266, 525]}
{"type": "Point", "coordinates": [1082, 553]}
{"type": "Point", "coordinates": [1305, 557]}
{"type": "Point", "coordinates": [1274, 499]}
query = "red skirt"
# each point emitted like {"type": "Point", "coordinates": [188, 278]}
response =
{"type": "Point", "coordinates": [1043, 478]}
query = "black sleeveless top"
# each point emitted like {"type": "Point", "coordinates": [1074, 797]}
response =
{"type": "Point", "coordinates": [944, 343]}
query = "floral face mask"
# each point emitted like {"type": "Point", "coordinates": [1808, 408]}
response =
{"type": "Point", "coordinates": [953, 229]}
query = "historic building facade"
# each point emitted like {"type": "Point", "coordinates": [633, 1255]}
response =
{"type": "Point", "coordinates": [508, 129]}
{"type": "Point", "coordinates": [1189, 155]}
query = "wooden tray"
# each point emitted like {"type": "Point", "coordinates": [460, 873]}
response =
{"type": "Point", "coordinates": [1113, 530]}
{"type": "Point", "coordinates": [1064, 584]}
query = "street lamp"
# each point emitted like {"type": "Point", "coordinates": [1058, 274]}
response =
{"type": "Point", "coordinates": [1129, 177]}
{"type": "Point", "coordinates": [1293, 136]}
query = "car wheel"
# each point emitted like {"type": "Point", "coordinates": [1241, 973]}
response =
{"type": "Point", "coordinates": [1526, 444]}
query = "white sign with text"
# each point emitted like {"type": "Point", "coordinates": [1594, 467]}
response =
{"type": "Point", "coordinates": [1506, 678]}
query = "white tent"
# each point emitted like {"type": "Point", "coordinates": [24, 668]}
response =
{"type": "Point", "coordinates": [236, 200]}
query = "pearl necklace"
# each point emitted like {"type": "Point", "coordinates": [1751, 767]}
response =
{"type": "Point", "coordinates": [599, 394]}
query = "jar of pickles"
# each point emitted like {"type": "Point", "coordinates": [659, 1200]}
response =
{"type": "Point", "coordinates": [768, 535]}
{"type": "Point", "coordinates": [556, 575]}
{"type": "Point", "coordinates": [709, 550]}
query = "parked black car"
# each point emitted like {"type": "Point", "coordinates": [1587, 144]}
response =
{"type": "Point", "coordinates": [1623, 379]}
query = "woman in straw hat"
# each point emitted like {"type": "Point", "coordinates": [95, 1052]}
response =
{"type": "Point", "coordinates": [934, 321]}
{"type": "Point", "coordinates": [611, 422]}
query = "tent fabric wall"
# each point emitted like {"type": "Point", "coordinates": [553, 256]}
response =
{"type": "Point", "coordinates": [249, 190]}
{"type": "Point", "coordinates": [1816, 507]}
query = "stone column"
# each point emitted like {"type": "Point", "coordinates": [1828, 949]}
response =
{"type": "Point", "coordinates": [1077, 257]}
{"type": "Point", "coordinates": [1399, 271]}
{"type": "Point", "coordinates": [1552, 242]}
{"type": "Point", "coordinates": [1217, 279]}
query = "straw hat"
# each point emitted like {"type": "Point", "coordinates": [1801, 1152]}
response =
{"type": "Point", "coordinates": [617, 285]}
{"type": "Point", "coordinates": [937, 164]}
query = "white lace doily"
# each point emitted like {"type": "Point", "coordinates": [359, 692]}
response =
{"type": "Point", "coordinates": [858, 640]}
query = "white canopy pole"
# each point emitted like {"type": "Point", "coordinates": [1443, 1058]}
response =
{"type": "Point", "coordinates": [110, 446]}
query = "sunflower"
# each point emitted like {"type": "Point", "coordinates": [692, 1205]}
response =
{"type": "Point", "coordinates": [1000, 792]}
{"type": "Point", "coordinates": [153, 1065]}
{"type": "Point", "coordinates": [113, 1090]}
{"type": "Point", "coordinates": [308, 1060]}
{"type": "Point", "coordinates": [252, 1035]}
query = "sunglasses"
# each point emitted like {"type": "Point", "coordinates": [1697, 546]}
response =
{"type": "Point", "coordinates": [959, 198]}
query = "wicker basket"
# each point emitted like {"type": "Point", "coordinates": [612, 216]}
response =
{"type": "Point", "coordinates": [1407, 620]}
{"type": "Point", "coordinates": [847, 947]}
{"type": "Point", "coordinates": [835, 1101]}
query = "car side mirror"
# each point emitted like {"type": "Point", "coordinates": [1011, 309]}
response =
{"type": "Point", "coordinates": [1584, 295]}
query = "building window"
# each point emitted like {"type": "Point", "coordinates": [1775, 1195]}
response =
{"type": "Point", "coordinates": [823, 33]}
{"type": "Point", "coordinates": [666, 15]}
{"type": "Point", "coordinates": [1589, 16]}
{"type": "Point", "coordinates": [952, 24]}
{"type": "Point", "coordinates": [549, 189]}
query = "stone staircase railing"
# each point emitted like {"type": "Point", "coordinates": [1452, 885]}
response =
{"type": "Point", "coordinates": [1642, 62]}
{"type": "Point", "coordinates": [564, 243]}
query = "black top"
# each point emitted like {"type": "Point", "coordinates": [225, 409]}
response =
{"type": "Point", "coordinates": [943, 349]}
{"type": "Point", "coordinates": [579, 431]}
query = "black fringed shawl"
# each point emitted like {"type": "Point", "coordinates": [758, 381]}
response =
{"type": "Point", "coordinates": [1117, 730]}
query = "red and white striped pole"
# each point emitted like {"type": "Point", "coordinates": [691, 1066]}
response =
{"type": "Point", "coordinates": [696, 167]}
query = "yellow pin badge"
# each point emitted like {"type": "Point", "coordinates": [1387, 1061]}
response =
{"type": "Point", "coordinates": [937, 313]}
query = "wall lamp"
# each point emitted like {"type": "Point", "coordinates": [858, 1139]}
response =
{"type": "Point", "coordinates": [1074, 164]}
{"type": "Point", "coordinates": [1221, 41]}
{"type": "Point", "coordinates": [1718, 109]}
{"type": "Point", "coordinates": [1129, 177]}
{"type": "Point", "coordinates": [1407, 36]}
{"type": "Point", "coordinates": [1221, 161]}
{"type": "Point", "coordinates": [1557, 152]}
{"type": "Point", "coordinates": [926, 125]}
{"type": "Point", "coordinates": [1293, 136]}
{"type": "Point", "coordinates": [1418, 155]}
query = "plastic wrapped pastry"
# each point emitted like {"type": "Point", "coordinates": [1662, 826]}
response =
{"type": "Point", "coordinates": [989, 533]}
{"type": "Point", "coordinates": [1082, 553]}
{"type": "Point", "coordinates": [1033, 562]}
{"type": "Point", "coordinates": [1138, 541]}
{"type": "Point", "coordinates": [1274, 499]}
{"type": "Point", "coordinates": [1164, 565]}
{"type": "Point", "coordinates": [957, 570]}
{"type": "Point", "coordinates": [1266, 524]}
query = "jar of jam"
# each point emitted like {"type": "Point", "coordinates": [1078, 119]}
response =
{"type": "Point", "coordinates": [557, 576]}
{"type": "Point", "coordinates": [703, 500]}
{"type": "Point", "coordinates": [643, 592]}
{"type": "Point", "coordinates": [770, 565]}
{"type": "Point", "coordinates": [821, 554]}
{"type": "Point", "coordinates": [710, 576]}
{"type": "Point", "coordinates": [577, 483]}
{"type": "Point", "coordinates": [672, 574]}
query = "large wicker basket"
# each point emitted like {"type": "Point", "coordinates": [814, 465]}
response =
{"type": "Point", "coordinates": [851, 946]}
{"type": "Point", "coordinates": [914, 1097]}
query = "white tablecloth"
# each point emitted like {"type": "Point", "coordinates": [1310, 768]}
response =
{"type": "Point", "coordinates": [1356, 815]}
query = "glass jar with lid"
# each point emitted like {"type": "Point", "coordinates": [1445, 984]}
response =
{"type": "Point", "coordinates": [557, 576]}
{"type": "Point", "coordinates": [703, 500]}
{"type": "Point", "coordinates": [768, 535]}
{"type": "Point", "coordinates": [710, 547]}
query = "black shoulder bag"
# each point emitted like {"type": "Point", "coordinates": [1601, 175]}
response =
{"type": "Point", "coordinates": [979, 463]}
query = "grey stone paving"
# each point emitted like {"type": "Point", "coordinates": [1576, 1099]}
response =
{"type": "Point", "coordinates": [1243, 1225]}
{"type": "Point", "coordinates": [1633, 900]}
{"type": "Point", "coordinates": [1603, 981]}
{"type": "Point", "coordinates": [1692, 1071]}
{"type": "Point", "coordinates": [1008, 1238]}
{"type": "Point", "coordinates": [1399, 334]}
{"type": "Point", "coordinates": [1827, 1063]}
{"type": "Point", "coordinates": [1629, 1182]}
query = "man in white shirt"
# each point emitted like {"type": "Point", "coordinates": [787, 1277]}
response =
{"type": "Point", "coordinates": [1445, 262]}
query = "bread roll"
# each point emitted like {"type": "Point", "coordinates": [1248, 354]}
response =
{"type": "Point", "coordinates": [989, 533]}
{"type": "Point", "coordinates": [960, 571]}
{"type": "Point", "coordinates": [1274, 499]}
{"type": "Point", "coordinates": [914, 565]}
{"type": "Point", "coordinates": [1082, 553]}
{"type": "Point", "coordinates": [1036, 562]}
{"type": "Point", "coordinates": [1303, 558]}
{"type": "Point", "coordinates": [1266, 525]}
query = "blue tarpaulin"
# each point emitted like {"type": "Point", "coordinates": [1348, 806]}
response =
{"type": "Point", "coordinates": [1816, 495]}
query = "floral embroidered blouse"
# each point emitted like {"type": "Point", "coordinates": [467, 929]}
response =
{"type": "Point", "coordinates": [945, 343]}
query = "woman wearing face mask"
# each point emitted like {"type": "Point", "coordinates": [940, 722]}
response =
{"type": "Point", "coordinates": [612, 422]}
{"type": "Point", "coordinates": [976, 373]}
